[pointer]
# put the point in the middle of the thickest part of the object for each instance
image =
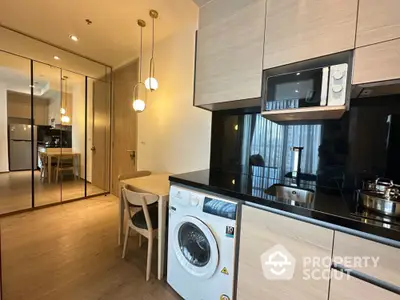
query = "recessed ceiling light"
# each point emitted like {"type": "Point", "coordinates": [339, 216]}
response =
{"type": "Point", "coordinates": [56, 57]}
{"type": "Point", "coordinates": [73, 37]}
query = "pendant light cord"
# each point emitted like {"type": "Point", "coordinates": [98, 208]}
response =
{"type": "Point", "coordinates": [152, 65]}
{"type": "Point", "coordinates": [152, 44]}
{"type": "Point", "coordinates": [141, 53]}
{"type": "Point", "coordinates": [65, 100]}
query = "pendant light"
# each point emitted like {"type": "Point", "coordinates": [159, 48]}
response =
{"type": "Point", "coordinates": [151, 82]}
{"type": "Point", "coordinates": [63, 111]}
{"type": "Point", "coordinates": [139, 102]}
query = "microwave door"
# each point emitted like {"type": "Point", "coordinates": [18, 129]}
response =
{"type": "Point", "coordinates": [298, 89]}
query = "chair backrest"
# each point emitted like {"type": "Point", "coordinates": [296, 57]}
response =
{"type": "Point", "coordinates": [134, 174]}
{"type": "Point", "coordinates": [65, 161]}
{"type": "Point", "coordinates": [43, 158]}
{"type": "Point", "coordinates": [138, 199]}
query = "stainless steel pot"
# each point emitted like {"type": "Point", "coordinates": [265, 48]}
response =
{"type": "Point", "coordinates": [387, 204]}
{"type": "Point", "coordinates": [380, 185]}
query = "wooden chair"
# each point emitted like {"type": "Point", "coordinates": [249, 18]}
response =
{"type": "Point", "coordinates": [144, 221]}
{"type": "Point", "coordinates": [44, 172]}
{"type": "Point", "coordinates": [134, 174]}
{"type": "Point", "coordinates": [43, 163]}
{"type": "Point", "coordinates": [65, 162]}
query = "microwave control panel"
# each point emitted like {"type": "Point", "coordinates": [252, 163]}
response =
{"type": "Point", "coordinates": [337, 85]}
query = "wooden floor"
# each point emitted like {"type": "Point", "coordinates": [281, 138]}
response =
{"type": "Point", "coordinates": [70, 252]}
{"type": "Point", "coordinates": [16, 191]}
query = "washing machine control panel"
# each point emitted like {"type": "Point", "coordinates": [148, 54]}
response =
{"type": "Point", "coordinates": [220, 208]}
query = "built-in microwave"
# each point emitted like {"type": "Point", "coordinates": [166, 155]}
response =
{"type": "Point", "coordinates": [318, 87]}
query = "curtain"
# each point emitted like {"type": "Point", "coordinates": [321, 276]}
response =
{"type": "Point", "coordinates": [273, 142]}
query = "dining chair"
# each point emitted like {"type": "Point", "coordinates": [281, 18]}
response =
{"type": "Point", "coordinates": [144, 221]}
{"type": "Point", "coordinates": [134, 174]}
{"type": "Point", "coordinates": [43, 165]}
{"type": "Point", "coordinates": [65, 162]}
{"type": "Point", "coordinates": [44, 172]}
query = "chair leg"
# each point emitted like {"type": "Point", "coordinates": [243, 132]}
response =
{"type": "Point", "coordinates": [149, 254]}
{"type": "Point", "coordinates": [126, 240]}
{"type": "Point", "coordinates": [140, 240]}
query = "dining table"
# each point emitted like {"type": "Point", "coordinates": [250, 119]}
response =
{"type": "Point", "coordinates": [157, 184]}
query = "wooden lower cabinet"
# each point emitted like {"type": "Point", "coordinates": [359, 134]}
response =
{"type": "Point", "coordinates": [387, 258]}
{"type": "Point", "coordinates": [350, 288]}
{"type": "Point", "coordinates": [263, 231]}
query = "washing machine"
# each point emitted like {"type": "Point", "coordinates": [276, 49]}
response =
{"type": "Point", "coordinates": [201, 244]}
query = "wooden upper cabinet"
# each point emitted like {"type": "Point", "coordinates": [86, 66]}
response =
{"type": "Point", "coordinates": [350, 288]}
{"type": "Point", "coordinates": [378, 62]}
{"type": "Point", "coordinates": [261, 237]}
{"type": "Point", "coordinates": [299, 30]}
{"type": "Point", "coordinates": [378, 21]}
{"type": "Point", "coordinates": [229, 51]}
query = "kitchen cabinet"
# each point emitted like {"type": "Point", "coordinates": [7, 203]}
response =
{"type": "Point", "coordinates": [229, 51]}
{"type": "Point", "coordinates": [387, 268]}
{"type": "Point", "coordinates": [261, 232]}
{"type": "Point", "coordinates": [378, 21]}
{"type": "Point", "coordinates": [19, 107]}
{"type": "Point", "coordinates": [377, 62]}
{"type": "Point", "coordinates": [301, 30]}
{"type": "Point", "coordinates": [345, 287]}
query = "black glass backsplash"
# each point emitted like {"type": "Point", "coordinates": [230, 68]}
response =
{"type": "Point", "coordinates": [363, 144]}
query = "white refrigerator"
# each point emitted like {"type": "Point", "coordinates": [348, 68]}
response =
{"type": "Point", "coordinates": [20, 152]}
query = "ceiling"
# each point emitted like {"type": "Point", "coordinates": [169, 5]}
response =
{"type": "Point", "coordinates": [113, 36]}
{"type": "Point", "coordinates": [201, 3]}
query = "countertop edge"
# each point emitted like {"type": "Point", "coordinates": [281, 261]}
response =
{"type": "Point", "coordinates": [328, 225]}
{"type": "Point", "coordinates": [352, 226]}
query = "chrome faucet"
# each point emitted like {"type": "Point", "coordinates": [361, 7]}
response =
{"type": "Point", "coordinates": [296, 171]}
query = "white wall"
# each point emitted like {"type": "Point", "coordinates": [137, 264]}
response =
{"type": "Point", "coordinates": [3, 130]}
{"type": "Point", "coordinates": [78, 126]}
{"type": "Point", "coordinates": [54, 109]}
{"type": "Point", "coordinates": [174, 136]}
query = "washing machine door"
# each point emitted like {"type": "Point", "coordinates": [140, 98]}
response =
{"type": "Point", "coordinates": [195, 247]}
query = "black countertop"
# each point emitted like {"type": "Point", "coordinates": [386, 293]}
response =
{"type": "Point", "coordinates": [330, 204]}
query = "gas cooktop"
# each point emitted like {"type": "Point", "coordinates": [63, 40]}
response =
{"type": "Point", "coordinates": [373, 218]}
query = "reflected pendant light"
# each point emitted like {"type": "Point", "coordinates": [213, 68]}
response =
{"type": "Point", "coordinates": [139, 101]}
{"type": "Point", "coordinates": [63, 111]}
{"type": "Point", "coordinates": [151, 82]}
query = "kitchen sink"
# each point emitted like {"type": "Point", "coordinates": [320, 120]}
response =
{"type": "Point", "coordinates": [290, 193]}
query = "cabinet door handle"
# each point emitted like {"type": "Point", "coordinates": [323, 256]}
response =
{"type": "Point", "coordinates": [367, 278]}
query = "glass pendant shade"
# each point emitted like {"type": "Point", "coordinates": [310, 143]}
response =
{"type": "Point", "coordinates": [151, 83]}
{"type": "Point", "coordinates": [139, 97]}
{"type": "Point", "coordinates": [65, 119]}
{"type": "Point", "coordinates": [138, 105]}
{"type": "Point", "coordinates": [139, 90]}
